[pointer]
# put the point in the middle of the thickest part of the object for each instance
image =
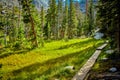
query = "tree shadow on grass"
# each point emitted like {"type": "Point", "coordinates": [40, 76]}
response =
{"type": "Point", "coordinates": [5, 52]}
{"type": "Point", "coordinates": [77, 44]}
{"type": "Point", "coordinates": [49, 64]}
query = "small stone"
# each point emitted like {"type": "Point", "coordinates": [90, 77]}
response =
{"type": "Point", "coordinates": [107, 41]}
{"type": "Point", "coordinates": [3, 12]}
{"type": "Point", "coordinates": [109, 51]}
{"type": "Point", "coordinates": [98, 35]}
{"type": "Point", "coordinates": [104, 59]}
{"type": "Point", "coordinates": [113, 69]}
{"type": "Point", "coordinates": [70, 67]}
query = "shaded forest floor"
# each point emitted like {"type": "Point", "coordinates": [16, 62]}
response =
{"type": "Point", "coordinates": [102, 68]}
{"type": "Point", "coordinates": [48, 62]}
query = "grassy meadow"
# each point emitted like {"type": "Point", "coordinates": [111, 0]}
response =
{"type": "Point", "coordinates": [48, 62]}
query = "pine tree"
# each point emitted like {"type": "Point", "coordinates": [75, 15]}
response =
{"type": "Point", "coordinates": [86, 7]}
{"type": "Point", "coordinates": [59, 17]}
{"type": "Point", "coordinates": [42, 15]}
{"type": "Point", "coordinates": [89, 24]}
{"type": "Point", "coordinates": [47, 28]}
{"type": "Point", "coordinates": [28, 18]}
{"type": "Point", "coordinates": [79, 17]}
{"type": "Point", "coordinates": [64, 31]}
{"type": "Point", "coordinates": [3, 27]}
{"type": "Point", "coordinates": [90, 18]}
{"type": "Point", "coordinates": [52, 18]}
{"type": "Point", "coordinates": [72, 21]}
{"type": "Point", "coordinates": [108, 19]}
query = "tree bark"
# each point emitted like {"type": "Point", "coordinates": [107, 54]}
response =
{"type": "Point", "coordinates": [33, 31]}
{"type": "Point", "coordinates": [86, 7]}
{"type": "Point", "coordinates": [35, 43]}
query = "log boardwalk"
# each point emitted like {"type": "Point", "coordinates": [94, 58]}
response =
{"type": "Point", "coordinates": [81, 74]}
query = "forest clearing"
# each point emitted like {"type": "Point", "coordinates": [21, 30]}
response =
{"type": "Point", "coordinates": [53, 39]}
{"type": "Point", "coordinates": [50, 61]}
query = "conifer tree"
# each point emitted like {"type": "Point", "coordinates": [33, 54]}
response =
{"type": "Point", "coordinates": [3, 21]}
{"type": "Point", "coordinates": [28, 18]}
{"type": "Point", "coordinates": [89, 24]}
{"type": "Point", "coordinates": [79, 17]}
{"type": "Point", "coordinates": [47, 28]}
{"type": "Point", "coordinates": [72, 21]}
{"type": "Point", "coordinates": [42, 15]}
{"type": "Point", "coordinates": [109, 20]}
{"type": "Point", "coordinates": [90, 17]}
{"type": "Point", "coordinates": [64, 31]}
{"type": "Point", "coordinates": [52, 18]}
{"type": "Point", "coordinates": [59, 17]}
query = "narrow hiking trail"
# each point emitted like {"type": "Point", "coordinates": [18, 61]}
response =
{"type": "Point", "coordinates": [81, 74]}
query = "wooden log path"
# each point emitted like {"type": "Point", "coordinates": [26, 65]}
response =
{"type": "Point", "coordinates": [81, 74]}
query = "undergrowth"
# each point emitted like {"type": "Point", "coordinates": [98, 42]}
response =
{"type": "Point", "coordinates": [49, 62]}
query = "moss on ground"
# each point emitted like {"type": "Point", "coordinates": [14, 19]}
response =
{"type": "Point", "coordinates": [48, 63]}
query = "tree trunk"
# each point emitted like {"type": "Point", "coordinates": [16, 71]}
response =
{"type": "Point", "coordinates": [86, 7]}
{"type": "Point", "coordinates": [33, 31]}
{"type": "Point", "coordinates": [35, 43]}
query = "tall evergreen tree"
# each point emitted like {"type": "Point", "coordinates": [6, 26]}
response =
{"type": "Point", "coordinates": [90, 16]}
{"type": "Point", "coordinates": [3, 21]}
{"type": "Point", "coordinates": [79, 17]}
{"type": "Point", "coordinates": [52, 18]}
{"type": "Point", "coordinates": [86, 7]}
{"type": "Point", "coordinates": [59, 17]}
{"type": "Point", "coordinates": [42, 15]}
{"type": "Point", "coordinates": [28, 18]}
{"type": "Point", "coordinates": [47, 27]}
{"type": "Point", "coordinates": [64, 31]}
{"type": "Point", "coordinates": [72, 20]}
{"type": "Point", "coordinates": [108, 19]}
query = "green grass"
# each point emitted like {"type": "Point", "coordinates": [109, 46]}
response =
{"type": "Point", "coordinates": [48, 63]}
{"type": "Point", "coordinates": [97, 66]}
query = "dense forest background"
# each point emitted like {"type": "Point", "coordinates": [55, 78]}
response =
{"type": "Point", "coordinates": [22, 25]}
{"type": "Point", "coordinates": [53, 39]}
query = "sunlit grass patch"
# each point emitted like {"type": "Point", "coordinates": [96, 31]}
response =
{"type": "Point", "coordinates": [49, 61]}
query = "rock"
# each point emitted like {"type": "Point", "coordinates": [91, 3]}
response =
{"type": "Point", "coordinates": [98, 35]}
{"type": "Point", "coordinates": [107, 41]}
{"type": "Point", "coordinates": [70, 67]}
{"type": "Point", "coordinates": [113, 69]}
{"type": "Point", "coordinates": [3, 12]}
{"type": "Point", "coordinates": [109, 51]}
{"type": "Point", "coordinates": [104, 59]}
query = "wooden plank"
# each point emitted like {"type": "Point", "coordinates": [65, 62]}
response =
{"type": "Point", "coordinates": [101, 47]}
{"type": "Point", "coordinates": [81, 74]}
